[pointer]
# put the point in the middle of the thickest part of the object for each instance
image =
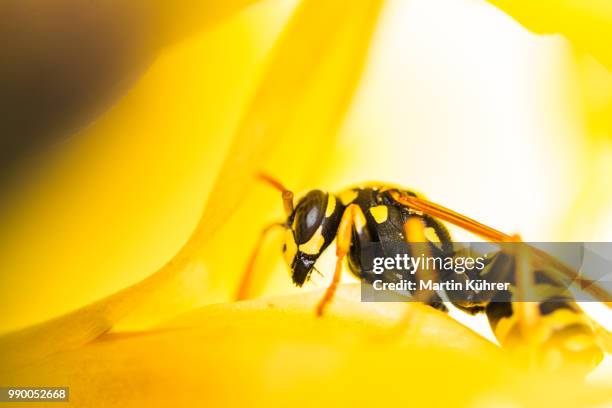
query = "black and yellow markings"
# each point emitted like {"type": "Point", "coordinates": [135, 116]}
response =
{"type": "Point", "coordinates": [290, 248]}
{"type": "Point", "coordinates": [331, 206]}
{"type": "Point", "coordinates": [431, 234]}
{"type": "Point", "coordinates": [549, 328]}
{"type": "Point", "coordinates": [314, 244]}
{"type": "Point", "coordinates": [348, 196]}
{"type": "Point", "coordinates": [380, 213]}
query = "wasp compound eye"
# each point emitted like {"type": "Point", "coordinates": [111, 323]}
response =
{"type": "Point", "coordinates": [309, 215]}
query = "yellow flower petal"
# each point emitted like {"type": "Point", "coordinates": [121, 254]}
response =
{"type": "Point", "coordinates": [307, 87]}
{"type": "Point", "coordinates": [274, 352]}
{"type": "Point", "coordinates": [180, 18]}
{"type": "Point", "coordinates": [232, 342]}
{"type": "Point", "coordinates": [118, 201]}
{"type": "Point", "coordinates": [301, 101]}
{"type": "Point", "coordinates": [587, 23]}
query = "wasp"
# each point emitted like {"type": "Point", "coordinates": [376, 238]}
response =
{"type": "Point", "coordinates": [387, 214]}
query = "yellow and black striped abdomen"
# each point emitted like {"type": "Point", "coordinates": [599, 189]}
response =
{"type": "Point", "coordinates": [562, 333]}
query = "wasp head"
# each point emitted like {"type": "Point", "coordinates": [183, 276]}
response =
{"type": "Point", "coordinates": [311, 227]}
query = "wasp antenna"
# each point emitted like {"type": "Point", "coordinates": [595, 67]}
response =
{"type": "Point", "coordinates": [286, 195]}
{"type": "Point", "coordinates": [272, 181]}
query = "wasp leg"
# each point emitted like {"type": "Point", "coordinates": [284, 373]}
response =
{"type": "Point", "coordinates": [527, 311]}
{"type": "Point", "coordinates": [471, 301]}
{"type": "Point", "coordinates": [493, 235]}
{"type": "Point", "coordinates": [352, 218]}
{"type": "Point", "coordinates": [286, 195]}
{"type": "Point", "coordinates": [414, 231]}
{"type": "Point", "coordinates": [245, 289]}
{"type": "Point", "coordinates": [604, 335]}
